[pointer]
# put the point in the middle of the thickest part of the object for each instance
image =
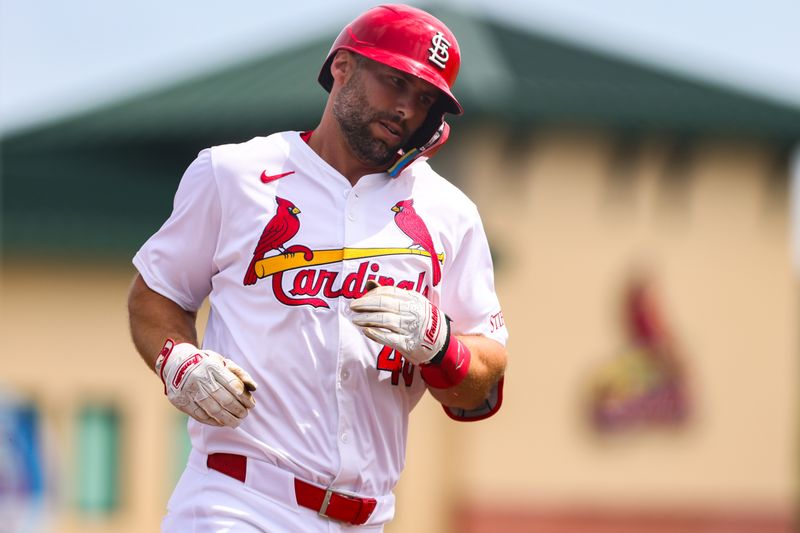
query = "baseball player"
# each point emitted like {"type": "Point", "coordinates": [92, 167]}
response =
{"type": "Point", "coordinates": [345, 279]}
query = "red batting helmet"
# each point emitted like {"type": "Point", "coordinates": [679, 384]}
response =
{"type": "Point", "coordinates": [417, 43]}
{"type": "Point", "coordinates": [405, 38]}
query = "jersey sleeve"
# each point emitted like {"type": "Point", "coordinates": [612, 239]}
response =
{"type": "Point", "coordinates": [178, 260]}
{"type": "Point", "coordinates": [469, 299]}
{"type": "Point", "coordinates": [468, 294]}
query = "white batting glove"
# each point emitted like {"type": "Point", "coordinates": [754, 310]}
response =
{"type": "Point", "coordinates": [403, 320]}
{"type": "Point", "coordinates": [203, 384]}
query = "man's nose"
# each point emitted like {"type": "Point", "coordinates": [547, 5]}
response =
{"type": "Point", "coordinates": [405, 106]}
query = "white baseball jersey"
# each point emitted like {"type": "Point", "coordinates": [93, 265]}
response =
{"type": "Point", "coordinates": [281, 243]}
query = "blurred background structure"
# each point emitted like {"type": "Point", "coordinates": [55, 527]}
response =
{"type": "Point", "coordinates": [638, 203]}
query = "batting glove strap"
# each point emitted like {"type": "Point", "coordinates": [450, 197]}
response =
{"type": "Point", "coordinates": [161, 361]}
{"type": "Point", "coordinates": [452, 368]}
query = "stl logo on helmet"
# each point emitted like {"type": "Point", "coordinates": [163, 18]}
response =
{"type": "Point", "coordinates": [439, 53]}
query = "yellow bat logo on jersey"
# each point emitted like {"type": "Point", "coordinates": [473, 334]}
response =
{"type": "Point", "coordinates": [310, 282]}
{"type": "Point", "coordinates": [281, 263]}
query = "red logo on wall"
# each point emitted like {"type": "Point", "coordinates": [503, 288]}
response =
{"type": "Point", "coordinates": [644, 384]}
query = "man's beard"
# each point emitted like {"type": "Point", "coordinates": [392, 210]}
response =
{"type": "Point", "coordinates": [354, 115]}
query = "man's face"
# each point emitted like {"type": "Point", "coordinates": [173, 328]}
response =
{"type": "Point", "coordinates": [379, 108]}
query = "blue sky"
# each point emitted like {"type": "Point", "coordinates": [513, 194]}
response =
{"type": "Point", "coordinates": [57, 58]}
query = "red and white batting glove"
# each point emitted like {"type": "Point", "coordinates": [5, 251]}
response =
{"type": "Point", "coordinates": [203, 384]}
{"type": "Point", "coordinates": [408, 322]}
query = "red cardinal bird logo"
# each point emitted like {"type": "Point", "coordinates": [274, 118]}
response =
{"type": "Point", "coordinates": [412, 225]}
{"type": "Point", "coordinates": [281, 227]}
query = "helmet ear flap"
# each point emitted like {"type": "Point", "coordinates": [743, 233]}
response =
{"type": "Point", "coordinates": [429, 127]}
{"type": "Point", "coordinates": [428, 139]}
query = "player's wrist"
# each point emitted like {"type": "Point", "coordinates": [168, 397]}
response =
{"type": "Point", "coordinates": [450, 365]}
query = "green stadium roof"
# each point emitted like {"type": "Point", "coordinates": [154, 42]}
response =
{"type": "Point", "coordinates": [104, 179]}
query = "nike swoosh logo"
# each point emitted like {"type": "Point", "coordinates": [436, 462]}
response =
{"type": "Point", "coordinates": [266, 178]}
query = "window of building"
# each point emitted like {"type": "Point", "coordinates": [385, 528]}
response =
{"type": "Point", "coordinates": [98, 459]}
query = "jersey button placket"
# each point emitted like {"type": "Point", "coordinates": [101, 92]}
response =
{"type": "Point", "coordinates": [347, 465]}
{"type": "Point", "coordinates": [351, 206]}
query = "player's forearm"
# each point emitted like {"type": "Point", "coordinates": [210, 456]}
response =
{"type": "Point", "coordinates": [487, 364]}
{"type": "Point", "coordinates": [154, 318]}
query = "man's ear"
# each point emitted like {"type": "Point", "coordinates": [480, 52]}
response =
{"type": "Point", "coordinates": [342, 66]}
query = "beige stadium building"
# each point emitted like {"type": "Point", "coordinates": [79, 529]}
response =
{"type": "Point", "coordinates": [594, 175]}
